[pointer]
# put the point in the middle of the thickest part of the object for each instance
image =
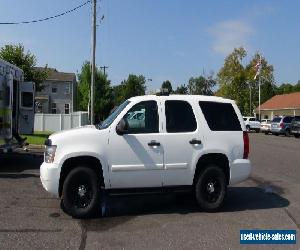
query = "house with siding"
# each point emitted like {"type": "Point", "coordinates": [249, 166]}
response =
{"type": "Point", "coordinates": [58, 93]}
{"type": "Point", "coordinates": [279, 105]}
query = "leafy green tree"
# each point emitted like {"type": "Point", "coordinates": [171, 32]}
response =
{"type": "Point", "coordinates": [181, 90]}
{"type": "Point", "coordinates": [201, 85]}
{"type": "Point", "coordinates": [103, 91]}
{"type": "Point", "coordinates": [15, 54]}
{"type": "Point", "coordinates": [236, 80]}
{"type": "Point", "coordinates": [266, 76]}
{"type": "Point", "coordinates": [134, 85]}
{"type": "Point", "coordinates": [167, 85]}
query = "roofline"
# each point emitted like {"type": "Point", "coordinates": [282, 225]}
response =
{"type": "Point", "coordinates": [278, 109]}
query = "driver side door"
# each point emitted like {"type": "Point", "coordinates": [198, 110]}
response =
{"type": "Point", "coordinates": [136, 158]}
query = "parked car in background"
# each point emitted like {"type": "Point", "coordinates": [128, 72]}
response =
{"type": "Point", "coordinates": [281, 125]}
{"type": "Point", "coordinates": [295, 126]}
{"type": "Point", "coordinates": [265, 126]}
{"type": "Point", "coordinates": [252, 123]}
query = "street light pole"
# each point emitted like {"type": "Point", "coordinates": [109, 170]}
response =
{"type": "Point", "coordinates": [93, 61]}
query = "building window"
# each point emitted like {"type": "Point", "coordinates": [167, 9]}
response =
{"type": "Point", "coordinates": [67, 108]}
{"type": "Point", "coordinates": [67, 89]}
{"type": "Point", "coordinates": [54, 89]}
{"type": "Point", "coordinates": [53, 108]}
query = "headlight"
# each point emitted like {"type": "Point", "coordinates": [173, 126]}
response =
{"type": "Point", "coordinates": [50, 153]}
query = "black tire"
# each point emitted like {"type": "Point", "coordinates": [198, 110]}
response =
{"type": "Point", "coordinates": [266, 133]}
{"type": "Point", "coordinates": [81, 193]}
{"type": "Point", "coordinates": [210, 188]}
{"type": "Point", "coordinates": [296, 136]}
{"type": "Point", "coordinates": [276, 134]}
{"type": "Point", "coordinates": [257, 130]}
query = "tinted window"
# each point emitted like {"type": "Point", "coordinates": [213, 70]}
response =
{"type": "Point", "coordinates": [287, 119]}
{"type": "Point", "coordinates": [27, 99]}
{"type": "Point", "coordinates": [220, 116]}
{"type": "Point", "coordinates": [245, 119]}
{"type": "Point", "coordinates": [252, 119]}
{"type": "Point", "coordinates": [179, 117]}
{"type": "Point", "coordinates": [277, 119]}
{"type": "Point", "coordinates": [297, 118]}
{"type": "Point", "coordinates": [142, 118]}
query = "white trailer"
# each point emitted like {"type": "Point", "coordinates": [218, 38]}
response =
{"type": "Point", "coordinates": [16, 106]}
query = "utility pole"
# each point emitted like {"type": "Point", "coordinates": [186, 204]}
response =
{"type": "Point", "coordinates": [259, 82]}
{"type": "Point", "coordinates": [93, 61]}
{"type": "Point", "coordinates": [250, 98]}
{"type": "Point", "coordinates": [103, 68]}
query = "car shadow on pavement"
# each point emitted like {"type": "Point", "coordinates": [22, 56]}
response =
{"type": "Point", "coordinates": [16, 163]}
{"type": "Point", "coordinates": [120, 209]}
{"type": "Point", "coordinates": [238, 199]}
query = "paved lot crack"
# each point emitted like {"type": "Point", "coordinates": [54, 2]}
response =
{"type": "Point", "coordinates": [83, 235]}
{"type": "Point", "coordinates": [292, 217]}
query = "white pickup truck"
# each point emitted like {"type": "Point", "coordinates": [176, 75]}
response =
{"type": "Point", "coordinates": [197, 143]}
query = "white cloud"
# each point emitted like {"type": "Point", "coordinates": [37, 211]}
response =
{"type": "Point", "coordinates": [229, 35]}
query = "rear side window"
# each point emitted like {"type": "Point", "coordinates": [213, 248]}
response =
{"type": "Point", "coordinates": [220, 116]}
{"type": "Point", "coordinates": [179, 117]}
{"type": "Point", "coordinates": [297, 118]}
{"type": "Point", "coordinates": [287, 119]}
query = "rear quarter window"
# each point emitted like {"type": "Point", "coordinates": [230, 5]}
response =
{"type": "Point", "coordinates": [220, 116]}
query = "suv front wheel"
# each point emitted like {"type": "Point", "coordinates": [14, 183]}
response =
{"type": "Point", "coordinates": [210, 188]}
{"type": "Point", "coordinates": [81, 192]}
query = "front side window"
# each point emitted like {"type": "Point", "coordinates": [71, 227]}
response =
{"type": "Point", "coordinates": [143, 118]}
{"type": "Point", "coordinates": [27, 99]}
{"type": "Point", "coordinates": [53, 108]}
{"type": "Point", "coordinates": [180, 117]}
{"type": "Point", "coordinates": [114, 114]}
{"type": "Point", "coordinates": [220, 116]}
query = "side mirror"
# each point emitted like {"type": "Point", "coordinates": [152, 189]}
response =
{"type": "Point", "coordinates": [122, 127]}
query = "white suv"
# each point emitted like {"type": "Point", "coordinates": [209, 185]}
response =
{"type": "Point", "coordinates": [252, 123]}
{"type": "Point", "coordinates": [193, 142]}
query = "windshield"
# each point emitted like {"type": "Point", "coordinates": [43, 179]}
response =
{"type": "Point", "coordinates": [109, 120]}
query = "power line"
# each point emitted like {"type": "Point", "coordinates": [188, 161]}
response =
{"type": "Point", "coordinates": [48, 18]}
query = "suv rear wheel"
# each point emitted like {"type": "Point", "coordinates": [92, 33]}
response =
{"type": "Point", "coordinates": [210, 188]}
{"type": "Point", "coordinates": [81, 192]}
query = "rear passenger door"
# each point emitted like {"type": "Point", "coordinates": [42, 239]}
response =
{"type": "Point", "coordinates": [181, 142]}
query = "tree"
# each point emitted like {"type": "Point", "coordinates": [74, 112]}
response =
{"type": "Point", "coordinates": [16, 55]}
{"type": "Point", "coordinates": [201, 85]}
{"type": "Point", "coordinates": [181, 90]}
{"type": "Point", "coordinates": [236, 80]}
{"type": "Point", "coordinates": [133, 86]}
{"type": "Point", "coordinates": [103, 92]}
{"type": "Point", "coordinates": [167, 85]}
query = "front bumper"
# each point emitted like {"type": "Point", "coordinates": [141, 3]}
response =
{"type": "Point", "coordinates": [265, 129]}
{"type": "Point", "coordinates": [240, 170]}
{"type": "Point", "coordinates": [49, 174]}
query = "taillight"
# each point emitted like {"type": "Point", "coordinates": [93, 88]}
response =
{"type": "Point", "coordinates": [246, 145]}
{"type": "Point", "coordinates": [281, 125]}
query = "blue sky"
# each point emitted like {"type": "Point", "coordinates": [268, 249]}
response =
{"type": "Point", "coordinates": [161, 39]}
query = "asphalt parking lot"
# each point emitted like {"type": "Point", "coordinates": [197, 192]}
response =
{"type": "Point", "coordinates": [31, 219]}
